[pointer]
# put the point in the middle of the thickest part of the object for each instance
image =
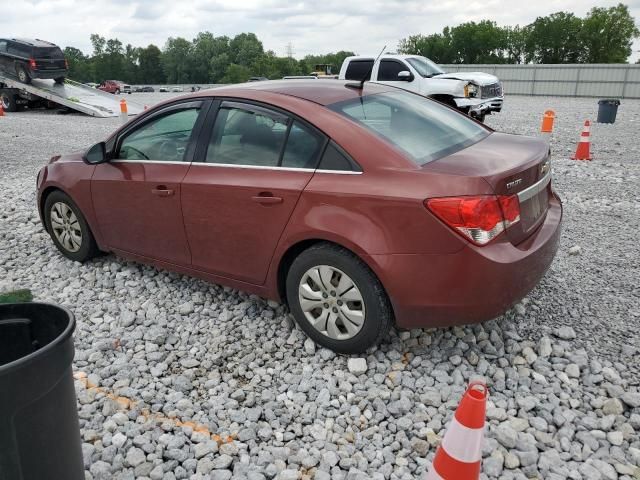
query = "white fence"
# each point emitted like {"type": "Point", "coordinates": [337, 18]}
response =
{"type": "Point", "coordinates": [567, 80]}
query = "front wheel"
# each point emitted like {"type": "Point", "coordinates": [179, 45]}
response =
{"type": "Point", "coordinates": [337, 300]}
{"type": "Point", "coordinates": [68, 228]}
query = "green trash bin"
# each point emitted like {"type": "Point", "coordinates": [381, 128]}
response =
{"type": "Point", "coordinates": [39, 432]}
{"type": "Point", "coordinates": [607, 110]}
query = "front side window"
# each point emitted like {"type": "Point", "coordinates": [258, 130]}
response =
{"type": "Point", "coordinates": [161, 139]}
{"type": "Point", "coordinates": [422, 128]}
{"type": "Point", "coordinates": [389, 70]}
{"type": "Point", "coordinates": [247, 136]}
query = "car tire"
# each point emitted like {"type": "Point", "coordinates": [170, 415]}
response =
{"type": "Point", "coordinates": [68, 228]}
{"type": "Point", "coordinates": [9, 102]}
{"type": "Point", "coordinates": [117, 92]}
{"type": "Point", "coordinates": [23, 74]}
{"type": "Point", "coordinates": [347, 303]}
{"type": "Point", "coordinates": [59, 80]}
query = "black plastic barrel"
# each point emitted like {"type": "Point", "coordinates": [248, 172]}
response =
{"type": "Point", "coordinates": [39, 432]}
{"type": "Point", "coordinates": [607, 110]}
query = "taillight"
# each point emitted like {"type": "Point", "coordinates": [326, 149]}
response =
{"type": "Point", "coordinates": [32, 63]}
{"type": "Point", "coordinates": [479, 218]}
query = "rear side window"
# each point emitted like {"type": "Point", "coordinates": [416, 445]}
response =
{"type": "Point", "coordinates": [359, 69]}
{"type": "Point", "coordinates": [303, 147]}
{"type": "Point", "coordinates": [389, 70]}
{"type": "Point", "coordinates": [247, 137]}
{"type": "Point", "coordinates": [19, 50]}
{"type": "Point", "coordinates": [425, 130]}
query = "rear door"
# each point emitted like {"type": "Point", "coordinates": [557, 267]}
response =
{"type": "Point", "coordinates": [237, 200]}
{"type": "Point", "coordinates": [137, 195]}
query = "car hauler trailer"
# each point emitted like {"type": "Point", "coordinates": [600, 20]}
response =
{"type": "Point", "coordinates": [14, 95]}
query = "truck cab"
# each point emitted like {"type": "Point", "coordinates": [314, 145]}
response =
{"type": "Point", "coordinates": [474, 93]}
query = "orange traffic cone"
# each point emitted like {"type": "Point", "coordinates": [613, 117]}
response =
{"type": "Point", "coordinates": [547, 121]}
{"type": "Point", "coordinates": [583, 150]}
{"type": "Point", "coordinates": [123, 111]}
{"type": "Point", "coordinates": [460, 454]}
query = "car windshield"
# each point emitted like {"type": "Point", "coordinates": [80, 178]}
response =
{"type": "Point", "coordinates": [424, 129]}
{"type": "Point", "coordinates": [425, 67]}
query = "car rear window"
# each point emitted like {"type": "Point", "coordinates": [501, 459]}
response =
{"type": "Point", "coordinates": [423, 129]}
{"type": "Point", "coordinates": [52, 53]}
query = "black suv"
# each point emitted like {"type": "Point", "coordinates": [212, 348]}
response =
{"type": "Point", "coordinates": [28, 59]}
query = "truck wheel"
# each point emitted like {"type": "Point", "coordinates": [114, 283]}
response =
{"type": "Point", "coordinates": [59, 80]}
{"type": "Point", "coordinates": [8, 101]}
{"type": "Point", "coordinates": [22, 73]}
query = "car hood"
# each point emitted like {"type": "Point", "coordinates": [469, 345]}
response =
{"type": "Point", "coordinates": [479, 78]}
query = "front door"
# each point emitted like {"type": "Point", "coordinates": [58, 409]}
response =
{"type": "Point", "coordinates": [237, 202]}
{"type": "Point", "coordinates": [137, 195]}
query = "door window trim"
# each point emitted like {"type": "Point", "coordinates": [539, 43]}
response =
{"type": "Point", "coordinates": [203, 103]}
{"type": "Point", "coordinates": [258, 107]}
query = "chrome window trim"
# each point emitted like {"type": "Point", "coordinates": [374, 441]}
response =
{"type": "Point", "coordinates": [534, 189]}
{"type": "Point", "coordinates": [149, 161]}
{"type": "Point", "coordinates": [286, 169]}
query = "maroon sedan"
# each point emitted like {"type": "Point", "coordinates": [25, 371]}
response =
{"type": "Point", "coordinates": [358, 207]}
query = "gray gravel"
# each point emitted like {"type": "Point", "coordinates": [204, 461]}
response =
{"type": "Point", "coordinates": [180, 379]}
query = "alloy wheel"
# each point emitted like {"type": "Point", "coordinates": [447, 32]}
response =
{"type": "Point", "coordinates": [331, 302]}
{"type": "Point", "coordinates": [22, 75]}
{"type": "Point", "coordinates": [66, 227]}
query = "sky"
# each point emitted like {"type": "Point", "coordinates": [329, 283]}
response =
{"type": "Point", "coordinates": [311, 27]}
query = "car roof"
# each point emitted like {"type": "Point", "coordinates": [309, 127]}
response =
{"type": "Point", "coordinates": [33, 42]}
{"type": "Point", "coordinates": [323, 92]}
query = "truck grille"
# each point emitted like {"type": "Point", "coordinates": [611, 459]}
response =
{"type": "Point", "coordinates": [490, 91]}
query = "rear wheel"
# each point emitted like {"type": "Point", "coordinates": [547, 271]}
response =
{"type": "Point", "coordinates": [337, 300]}
{"type": "Point", "coordinates": [59, 80]}
{"type": "Point", "coordinates": [22, 74]}
{"type": "Point", "coordinates": [8, 101]}
{"type": "Point", "coordinates": [68, 228]}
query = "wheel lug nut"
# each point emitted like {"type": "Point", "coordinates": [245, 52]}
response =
{"type": "Point", "coordinates": [326, 305]}
{"type": "Point", "coordinates": [339, 302]}
{"type": "Point", "coordinates": [333, 293]}
{"type": "Point", "coordinates": [324, 295]}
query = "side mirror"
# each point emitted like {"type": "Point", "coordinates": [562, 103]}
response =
{"type": "Point", "coordinates": [405, 76]}
{"type": "Point", "coordinates": [96, 154]}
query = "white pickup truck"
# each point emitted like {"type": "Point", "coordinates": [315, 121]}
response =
{"type": "Point", "coordinates": [474, 93]}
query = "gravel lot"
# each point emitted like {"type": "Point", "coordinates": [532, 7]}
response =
{"type": "Point", "coordinates": [177, 378]}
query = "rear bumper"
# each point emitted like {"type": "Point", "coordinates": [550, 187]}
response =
{"type": "Point", "coordinates": [472, 285]}
{"type": "Point", "coordinates": [48, 74]}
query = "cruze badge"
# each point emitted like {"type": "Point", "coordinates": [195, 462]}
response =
{"type": "Point", "coordinates": [514, 183]}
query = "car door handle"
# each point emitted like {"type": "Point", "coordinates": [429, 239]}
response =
{"type": "Point", "coordinates": [162, 191]}
{"type": "Point", "coordinates": [266, 199]}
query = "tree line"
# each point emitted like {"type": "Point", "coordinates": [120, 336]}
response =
{"type": "Point", "coordinates": [604, 35]}
{"type": "Point", "coordinates": [205, 59]}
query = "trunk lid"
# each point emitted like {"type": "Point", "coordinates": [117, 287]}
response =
{"type": "Point", "coordinates": [510, 164]}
